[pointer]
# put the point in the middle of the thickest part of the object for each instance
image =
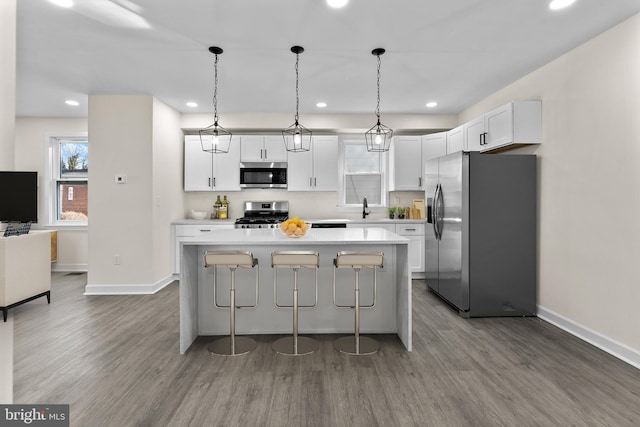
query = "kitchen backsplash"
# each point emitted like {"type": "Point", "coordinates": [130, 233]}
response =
{"type": "Point", "coordinates": [317, 205]}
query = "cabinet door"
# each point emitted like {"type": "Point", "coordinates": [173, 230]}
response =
{"type": "Point", "coordinates": [498, 127]}
{"type": "Point", "coordinates": [300, 171]}
{"type": "Point", "coordinates": [198, 165]}
{"type": "Point", "coordinates": [455, 140]}
{"type": "Point", "coordinates": [226, 169]}
{"type": "Point", "coordinates": [473, 132]}
{"type": "Point", "coordinates": [251, 148]}
{"type": "Point", "coordinates": [433, 145]}
{"type": "Point", "coordinates": [274, 149]}
{"type": "Point", "coordinates": [325, 163]}
{"type": "Point", "coordinates": [407, 162]}
{"type": "Point", "coordinates": [415, 234]}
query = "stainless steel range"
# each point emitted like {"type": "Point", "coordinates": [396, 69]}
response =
{"type": "Point", "coordinates": [263, 214]}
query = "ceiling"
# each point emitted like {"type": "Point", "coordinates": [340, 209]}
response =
{"type": "Point", "coordinates": [455, 52]}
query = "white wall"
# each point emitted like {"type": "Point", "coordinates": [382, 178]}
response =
{"type": "Point", "coordinates": [7, 82]}
{"type": "Point", "coordinates": [120, 129]}
{"type": "Point", "coordinates": [168, 195]}
{"type": "Point", "coordinates": [589, 185]}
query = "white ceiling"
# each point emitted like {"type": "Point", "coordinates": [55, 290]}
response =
{"type": "Point", "coordinates": [455, 52]}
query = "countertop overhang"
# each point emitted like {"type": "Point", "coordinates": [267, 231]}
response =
{"type": "Point", "coordinates": [329, 236]}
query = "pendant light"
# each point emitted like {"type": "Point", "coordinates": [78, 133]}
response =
{"type": "Point", "coordinates": [215, 139]}
{"type": "Point", "coordinates": [296, 137]}
{"type": "Point", "coordinates": [379, 136]}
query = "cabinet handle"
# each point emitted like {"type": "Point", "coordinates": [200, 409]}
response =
{"type": "Point", "coordinates": [483, 138]}
{"type": "Point", "coordinates": [265, 153]}
{"type": "Point", "coordinates": [419, 181]}
{"type": "Point", "coordinates": [409, 229]}
{"type": "Point", "coordinates": [209, 181]}
{"type": "Point", "coordinates": [214, 181]}
{"type": "Point", "coordinates": [261, 153]}
{"type": "Point", "coordinates": [205, 230]}
{"type": "Point", "coordinates": [315, 182]}
{"type": "Point", "coordinates": [310, 182]}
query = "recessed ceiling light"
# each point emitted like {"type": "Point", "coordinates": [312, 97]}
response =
{"type": "Point", "coordinates": [321, 104]}
{"type": "Point", "coordinates": [336, 4]}
{"type": "Point", "coordinates": [432, 104]}
{"type": "Point", "coordinates": [560, 4]}
{"type": "Point", "coordinates": [62, 3]}
{"type": "Point", "coordinates": [72, 102]}
{"type": "Point", "coordinates": [192, 104]}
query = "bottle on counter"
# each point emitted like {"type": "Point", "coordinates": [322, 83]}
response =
{"type": "Point", "coordinates": [216, 208]}
{"type": "Point", "coordinates": [222, 210]}
{"type": "Point", "coordinates": [225, 202]}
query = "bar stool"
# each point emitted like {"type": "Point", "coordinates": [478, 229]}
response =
{"type": "Point", "coordinates": [295, 260]}
{"type": "Point", "coordinates": [231, 345]}
{"type": "Point", "coordinates": [357, 345]}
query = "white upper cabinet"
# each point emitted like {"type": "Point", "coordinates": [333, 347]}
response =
{"type": "Point", "coordinates": [518, 122]}
{"type": "Point", "coordinates": [434, 145]}
{"type": "Point", "coordinates": [455, 140]}
{"type": "Point", "coordinates": [473, 134]}
{"type": "Point", "coordinates": [210, 172]}
{"type": "Point", "coordinates": [316, 169]}
{"type": "Point", "coordinates": [257, 148]}
{"type": "Point", "coordinates": [407, 163]}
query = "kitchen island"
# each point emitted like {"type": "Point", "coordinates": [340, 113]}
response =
{"type": "Point", "coordinates": [392, 313]}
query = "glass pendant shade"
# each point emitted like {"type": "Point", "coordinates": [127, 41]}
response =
{"type": "Point", "coordinates": [297, 138]}
{"type": "Point", "coordinates": [215, 139]}
{"type": "Point", "coordinates": [379, 137]}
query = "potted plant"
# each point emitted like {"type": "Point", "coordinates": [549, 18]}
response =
{"type": "Point", "coordinates": [392, 212]}
{"type": "Point", "coordinates": [400, 211]}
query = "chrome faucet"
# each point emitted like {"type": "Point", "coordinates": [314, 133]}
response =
{"type": "Point", "coordinates": [364, 208]}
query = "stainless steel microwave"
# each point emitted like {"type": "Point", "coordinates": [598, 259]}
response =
{"type": "Point", "coordinates": [263, 175]}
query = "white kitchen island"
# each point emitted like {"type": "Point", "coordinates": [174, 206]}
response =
{"type": "Point", "coordinates": [391, 314]}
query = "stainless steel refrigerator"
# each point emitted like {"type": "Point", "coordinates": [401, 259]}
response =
{"type": "Point", "coordinates": [480, 252]}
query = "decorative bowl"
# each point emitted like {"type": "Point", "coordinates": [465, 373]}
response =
{"type": "Point", "coordinates": [198, 214]}
{"type": "Point", "coordinates": [294, 227]}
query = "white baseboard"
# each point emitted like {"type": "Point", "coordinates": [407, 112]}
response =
{"type": "Point", "coordinates": [128, 289]}
{"type": "Point", "coordinates": [611, 346]}
{"type": "Point", "coordinates": [71, 268]}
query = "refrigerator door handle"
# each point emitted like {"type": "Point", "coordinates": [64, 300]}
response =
{"type": "Point", "coordinates": [439, 212]}
{"type": "Point", "coordinates": [434, 212]}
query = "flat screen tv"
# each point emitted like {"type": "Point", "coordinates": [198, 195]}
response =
{"type": "Point", "coordinates": [18, 196]}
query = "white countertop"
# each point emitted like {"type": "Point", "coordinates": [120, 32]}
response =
{"type": "Point", "coordinates": [330, 236]}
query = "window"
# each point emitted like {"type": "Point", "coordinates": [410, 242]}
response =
{"type": "Point", "coordinates": [363, 174]}
{"type": "Point", "coordinates": [69, 190]}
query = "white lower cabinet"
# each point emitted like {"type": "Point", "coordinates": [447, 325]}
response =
{"type": "Point", "coordinates": [192, 231]}
{"type": "Point", "coordinates": [415, 233]}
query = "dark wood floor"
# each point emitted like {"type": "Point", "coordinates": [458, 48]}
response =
{"type": "Point", "coordinates": [115, 360]}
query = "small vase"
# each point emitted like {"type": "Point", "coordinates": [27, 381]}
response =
{"type": "Point", "coordinates": [391, 216]}
{"type": "Point", "coordinates": [400, 216]}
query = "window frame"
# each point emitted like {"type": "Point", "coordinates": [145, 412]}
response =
{"type": "Point", "coordinates": [383, 172]}
{"type": "Point", "coordinates": [54, 179]}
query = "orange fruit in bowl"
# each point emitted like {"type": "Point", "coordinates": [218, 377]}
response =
{"type": "Point", "coordinates": [294, 227]}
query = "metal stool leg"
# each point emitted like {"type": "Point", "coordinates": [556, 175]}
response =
{"type": "Point", "coordinates": [357, 345]}
{"type": "Point", "coordinates": [295, 345]}
{"type": "Point", "coordinates": [232, 345]}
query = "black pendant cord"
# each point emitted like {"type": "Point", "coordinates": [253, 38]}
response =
{"type": "Point", "coordinates": [297, 97]}
{"type": "Point", "coordinates": [215, 92]}
{"type": "Point", "coordinates": [378, 105]}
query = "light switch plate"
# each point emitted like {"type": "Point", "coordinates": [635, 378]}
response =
{"type": "Point", "coordinates": [121, 179]}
